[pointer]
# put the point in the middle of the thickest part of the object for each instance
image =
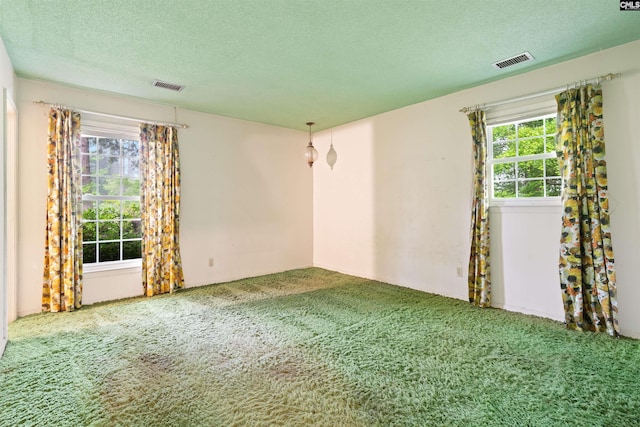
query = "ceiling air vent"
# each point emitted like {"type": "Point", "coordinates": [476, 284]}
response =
{"type": "Point", "coordinates": [522, 57]}
{"type": "Point", "coordinates": [170, 86]}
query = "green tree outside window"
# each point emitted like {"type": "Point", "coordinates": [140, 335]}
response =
{"type": "Point", "coordinates": [111, 199]}
{"type": "Point", "coordinates": [523, 159]}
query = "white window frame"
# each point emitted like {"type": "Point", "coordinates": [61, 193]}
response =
{"type": "Point", "coordinates": [522, 112]}
{"type": "Point", "coordinates": [104, 128]}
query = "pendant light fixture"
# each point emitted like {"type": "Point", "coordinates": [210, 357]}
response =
{"type": "Point", "coordinates": [332, 156]}
{"type": "Point", "coordinates": [311, 154]}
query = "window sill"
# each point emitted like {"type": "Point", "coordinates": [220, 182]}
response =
{"type": "Point", "coordinates": [526, 202]}
{"type": "Point", "coordinates": [548, 207]}
{"type": "Point", "coordinates": [115, 266]}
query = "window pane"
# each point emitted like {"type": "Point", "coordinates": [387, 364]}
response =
{"type": "Point", "coordinates": [88, 253]}
{"type": "Point", "coordinates": [554, 187]}
{"type": "Point", "coordinates": [109, 186]}
{"type": "Point", "coordinates": [88, 164]}
{"type": "Point", "coordinates": [131, 167]}
{"type": "Point", "coordinates": [504, 149]}
{"type": "Point", "coordinates": [534, 188]}
{"type": "Point", "coordinates": [504, 171]}
{"type": "Point", "coordinates": [551, 167]}
{"type": "Point", "coordinates": [88, 145]}
{"type": "Point", "coordinates": [110, 251]}
{"type": "Point", "coordinates": [110, 147]}
{"type": "Point", "coordinates": [533, 128]}
{"type": "Point", "coordinates": [551, 144]}
{"type": "Point", "coordinates": [109, 209]}
{"type": "Point", "coordinates": [504, 189]}
{"type": "Point", "coordinates": [108, 230]}
{"type": "Point", "coordinates": [527, 147]}
{"type": "Point", "coordinates": [89, 232]}
{"type": "Point", "coordinates": [130, 148]}
{"type": "Point", "coordinates": [550, 125]}
{"type": "Point", "coordinates": [89, 185]}
{"type": "Point", "coordinates": [131, 209]}
{"type": "Point", "coordinates": [504, 132]}
{"type": "Point", "coordinates": [132, 250]}
{"type": "Point", "coordinates": [130, 187]}
{"type": "Point", "coordinates": [131, 229]}
{"type": "Point", "coordinates": [88, 209]}
{"type": "Point", "coordinates": [530, 169]}
{"type": "Point", "coordinates": [109, 165]}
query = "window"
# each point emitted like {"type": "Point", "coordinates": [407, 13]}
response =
{"type": "Point", "coordinates": [111, 199]}
{"type": "Point", "coordinates": [522, 158]}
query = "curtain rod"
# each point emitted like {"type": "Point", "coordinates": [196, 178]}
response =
{"type": "Point", "coordinates": [596, 80]}
{"type": "Point", "coordinates": [113, 116]}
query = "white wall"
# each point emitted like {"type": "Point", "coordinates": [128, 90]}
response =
{"type": "Point", "coordinates": [396, 206]}
{"type": "Point", "coordinates": [246, 199]}
{"type": "Point", "coordinates": [7, 80]}
{"type": "Point", "coordinates": [524, 248]}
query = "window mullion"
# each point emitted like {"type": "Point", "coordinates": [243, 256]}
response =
{"type": "Point", "coordinates": [97, 232]}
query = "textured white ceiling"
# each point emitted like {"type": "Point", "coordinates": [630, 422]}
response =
{"type": "Point", "coordinates": [285, 62]}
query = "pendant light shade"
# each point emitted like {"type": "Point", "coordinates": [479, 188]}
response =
{"type": "Point", "coordinates": [311, 154]}
{"type": "Point", "coordinates": [332, 156]}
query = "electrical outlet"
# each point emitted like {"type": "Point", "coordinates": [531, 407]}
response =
{"type": "Point", "coordinates": [459, 271]}
{"type": "Point", "coordinates": [210, 262]}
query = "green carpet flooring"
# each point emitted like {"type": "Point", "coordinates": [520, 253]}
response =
{"type": "Point", "coordinates": [311, 348]}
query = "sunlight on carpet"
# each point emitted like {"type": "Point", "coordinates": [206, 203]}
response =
{"type": "Point", "coordinates": [311, 348]}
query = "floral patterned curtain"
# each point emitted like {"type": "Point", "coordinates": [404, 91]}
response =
{"type": "Point", "coordinates": [160, 209]}
{"type": "Point", "coordinates": [479, 265]}
{"type": "Point", "coordinates": [587, 274]}
{"type": "Point", "coordinates": [62, 284]}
